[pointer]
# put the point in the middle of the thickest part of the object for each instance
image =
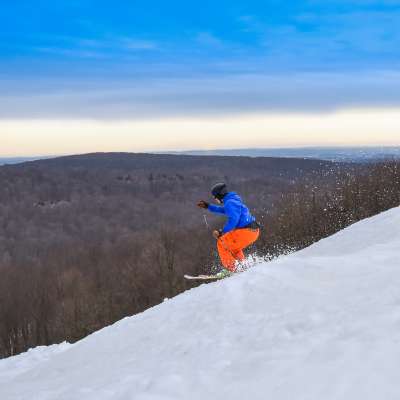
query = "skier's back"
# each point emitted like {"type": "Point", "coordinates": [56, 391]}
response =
{"type": "Point", "coordinates": [240, 230]}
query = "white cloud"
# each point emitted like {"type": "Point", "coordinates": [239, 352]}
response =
{"type": "Point", "coordinates": [71, 52]}
{"type": "Point", "coordinates": [185, 97]}
{"type": "Point", "coordinates": [209, 39]}
{"type": "Point", "coordinates": [136, 44]}
{"type": "Point", "coordinates": [98, 48]}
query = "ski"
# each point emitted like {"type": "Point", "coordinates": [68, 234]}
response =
{"type": "Point", "coordinates": [219, 275]}
{"type": "Point", "coordinates": [201, 277]}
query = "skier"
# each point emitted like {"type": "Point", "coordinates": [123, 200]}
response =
{"type": "Point", "coordinates": [239, 232]}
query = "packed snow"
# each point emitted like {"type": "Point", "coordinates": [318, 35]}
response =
{"type": "Point", "coordinates": [322, 323]}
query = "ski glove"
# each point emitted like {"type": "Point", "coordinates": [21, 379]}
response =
{"type": "Point", "coordinates": [203, 204]}
{"type": "Point", "coordinates": [217, 234]}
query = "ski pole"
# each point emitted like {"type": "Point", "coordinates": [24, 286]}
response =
{"type": "Point", "coordinates": [205, 220]}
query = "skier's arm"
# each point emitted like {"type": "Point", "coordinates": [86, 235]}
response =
{"type": "Point", "coordinates": [216, 209]}
{"type": "Point", "coordinates": [233, 213]}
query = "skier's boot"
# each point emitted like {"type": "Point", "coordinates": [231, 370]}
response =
{"type": "Point", "coordinates": [225, 273]}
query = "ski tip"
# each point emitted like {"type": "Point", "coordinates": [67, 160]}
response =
{"type": "Point", "coordinates": [190, 277]}
{"type": "Point", "coordinates": [201, 277]}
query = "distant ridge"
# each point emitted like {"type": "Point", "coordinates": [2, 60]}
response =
{"type": "Point", "coordinates": [336, 154]}
{"type": "Point", "coordinates": [339, 154]}
{"type": "Point", "coordinates": [18, 160]}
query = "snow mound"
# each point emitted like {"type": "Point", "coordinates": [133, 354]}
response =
{"type": "Point", "coordinates": [323, 323]}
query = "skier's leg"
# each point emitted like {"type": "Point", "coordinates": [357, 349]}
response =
{"type": "Point", "coordinates": [226, 255]}
{"type": "Point", "coordinates": [239, 255]}
{"type": "Point", "coordinates": [231, 245]}
{"type": "Point", "coordinates": [228, 251]}
{"type": "Point", "coordinates": [242, 238]}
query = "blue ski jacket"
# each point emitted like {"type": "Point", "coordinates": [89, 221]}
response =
{"type": "Point", "coordinates": [238, 214]}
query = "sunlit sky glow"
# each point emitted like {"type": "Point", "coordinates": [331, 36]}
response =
{"type": "Point", "coordinates": [81, 76]}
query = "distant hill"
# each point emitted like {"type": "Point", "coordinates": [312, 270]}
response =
{"type": "Point", "coordinates": [339, 154]}
{"type": "Point", "coordinates": [18, 160]}
{"type": "Point", "coordinates": [336, 154]}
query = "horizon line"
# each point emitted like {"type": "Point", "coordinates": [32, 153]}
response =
{"type": "Point", "coordinates": [339, 146]}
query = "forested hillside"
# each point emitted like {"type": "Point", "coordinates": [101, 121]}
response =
{"type": "Point", "coordinates": [86, 240]}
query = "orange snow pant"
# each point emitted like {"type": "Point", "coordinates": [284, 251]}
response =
{"type": "Point", "coordinates": [231, 245]}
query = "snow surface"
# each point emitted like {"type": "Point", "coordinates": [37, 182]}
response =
{"type": "Point", "coordinates": [320, 324]}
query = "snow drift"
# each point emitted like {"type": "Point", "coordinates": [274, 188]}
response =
{"type": "Point", "coordinates": [323, 323]}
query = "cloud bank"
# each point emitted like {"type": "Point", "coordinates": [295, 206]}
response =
{"type": "Point", "coordinates": [191, 97]}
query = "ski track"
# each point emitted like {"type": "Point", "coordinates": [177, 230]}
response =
{"type": "Point", "coordinates": [319, 324]}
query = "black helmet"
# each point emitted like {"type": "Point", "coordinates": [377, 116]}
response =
{"type": "Point", "coordinates": [219, 190]}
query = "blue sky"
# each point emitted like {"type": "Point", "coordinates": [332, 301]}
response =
{"type": "Point", "coordinates": [87, 45]}
{"type": "Point", "coordinates": [77, 59]}
{"type": "Point", "coordinates": [77, 35]}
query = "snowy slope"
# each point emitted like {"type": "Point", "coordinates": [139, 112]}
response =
{"type": "Point", "coordinates": [320, 324]}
